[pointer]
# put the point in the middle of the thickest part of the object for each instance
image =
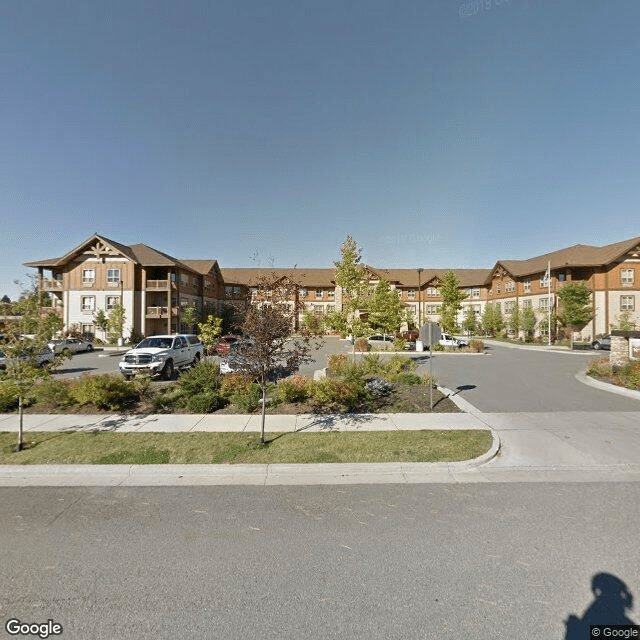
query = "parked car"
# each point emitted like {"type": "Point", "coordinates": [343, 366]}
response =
{"type": "Point", "coordinates": [379, 339]}
{"type": "Point", "coordinates": [226, 343]}
{"type": "Point", "coordinates": [41, 359]}
{"type": "Point", "coordinates": [602, 343]}
{"type": "Point", "coordinates": [70, 344]}
{"type": "Point", "coordinates": [447, 340]}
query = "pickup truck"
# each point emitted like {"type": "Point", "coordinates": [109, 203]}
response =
{"type": "Point", "coordinates": [447, 340]}
{"type": "Point", "coordinates": [161, 355]}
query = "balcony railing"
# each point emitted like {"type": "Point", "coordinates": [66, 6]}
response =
{"type": "Point", "coordinates": [51, 285]}
{"type": "Point", "coordinates": [157, 312]}
{"type": "Point", "coordinates": [159, 285]}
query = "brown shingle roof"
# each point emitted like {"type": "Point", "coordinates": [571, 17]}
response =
{"type": "Point", "coordinates": [201, 266]}
{"type": "Point", "coordinates": [304, 277]}
{"type": "Point", "coordinates": [579, 255]}
{"type": "Point", "coordinates": [409, 277]}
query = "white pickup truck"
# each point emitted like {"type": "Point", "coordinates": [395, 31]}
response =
{"type": "Point", "coordinates": [161, 355]}
{"type": "Point", "coordinates": [447, 340]}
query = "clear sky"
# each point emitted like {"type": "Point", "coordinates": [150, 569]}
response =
{"type": "Point", "coordinates": [438, 133]}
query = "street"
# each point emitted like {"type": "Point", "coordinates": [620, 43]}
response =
{"type": "Point", "coordinates": [489, 561]}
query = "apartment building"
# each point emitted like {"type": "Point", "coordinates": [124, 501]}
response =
{"type": "Point", "coordinates": [154, 287]}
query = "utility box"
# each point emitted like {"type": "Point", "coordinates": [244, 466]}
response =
{"type": "Point", "coordinates": [430, 334]}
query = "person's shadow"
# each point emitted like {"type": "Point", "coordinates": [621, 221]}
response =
{"type": "Point", "coordinates": [612, 600]}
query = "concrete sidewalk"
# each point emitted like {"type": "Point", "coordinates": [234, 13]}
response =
{"type": "Point", "coordinates": [527, 447]}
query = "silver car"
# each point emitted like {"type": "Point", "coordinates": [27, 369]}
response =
{"type": "Point", "coordinates": [69, 344]}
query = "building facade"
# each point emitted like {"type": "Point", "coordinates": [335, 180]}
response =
{"type": "Point", "coordinates": [154, 287]}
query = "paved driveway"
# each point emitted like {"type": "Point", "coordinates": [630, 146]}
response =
{"type": "Point", "coordinates": [514, 380]}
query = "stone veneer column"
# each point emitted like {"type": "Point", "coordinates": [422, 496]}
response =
{"type": "Point", "coordinates": [619, 353]}
{"type": "Point", "coordinates": [338, 298]}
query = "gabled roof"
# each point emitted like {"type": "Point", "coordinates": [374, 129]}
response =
{"type": "Point", "coordinates": [304, 277]}
{"type": "Point", "coordinates": [409, 277]}
{"type": "Point", "coordinates": [202, 266]}
{"type": "Point", "coordinates": [579, 255]}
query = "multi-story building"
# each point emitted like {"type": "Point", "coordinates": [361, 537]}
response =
{"type": "Point", "coordinates": [154, 287]}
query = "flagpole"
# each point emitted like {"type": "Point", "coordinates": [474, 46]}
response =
{"type": "Point", "coordinates": [549, 300]}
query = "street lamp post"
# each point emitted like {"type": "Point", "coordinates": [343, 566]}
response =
{"type": "Point", "coordinates": [420, 270]}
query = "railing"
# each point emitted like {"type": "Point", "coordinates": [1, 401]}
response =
{"type": "Point", "coordinates": [157, 312]}
{"type": "Point", "coordinates": [158, 285]}
{"type": "Point", "coordinates": [51, 285]}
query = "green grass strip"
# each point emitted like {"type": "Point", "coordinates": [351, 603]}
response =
{"type": "Point", "coordinates": [72, 447]}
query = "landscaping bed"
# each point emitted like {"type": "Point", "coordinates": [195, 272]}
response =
{"type": "Point", "coordinates": [627, 376]}
{"type": "Point", "coordinates": [371, 385]}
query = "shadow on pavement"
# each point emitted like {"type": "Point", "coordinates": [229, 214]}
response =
{"type": "Point", "coordinates": [330, 422]}
{"type": "Point", "coordinates": [612, 600]}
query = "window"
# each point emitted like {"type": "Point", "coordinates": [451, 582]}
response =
{"type": "Point", "coordinates": [498, 288]}
{"type": "Point", "coordinates": [561, 276]}
{"type": "Point", "coordinates": [432, 292]}
{"type": "Point", "coordinates": [543, 304]}
{"type": "Point", "coordinates": [113, 276]}
{"type": "Point", "coordinates": [627, 303]}
{"type": "Point", "coordinates": [330, 308]}
{"type": "Point", "coordinates": [232, 291]}
{"type": "Point", "coordinates": [509, 306]}
{"type": "Point", "coordinates": [411, 294]}
{"type": "Point", "coordinates": [476, 309]}
{"type": "Point", "coordinates": [183, 279]}
{"type": "Point", "coordinates": [88, 304]}
{"type": "Point", "coordinates": [302, 293]}
{"type": "Point", "coordinates": [627, 276]}
{"type": "Point", "coordinates": [319, 294]}
{"type": "Point", "coordinates": [527, 285]}
{"type": "Point", "coordinates": [432, 309]}
{"type": "Point", "coordinates": [331, 295]}
{"type": "Point", "coordinates": [112, 301]}
{"type": "Point", "coordinates": [88, 276]}
{"type": "Point", "coordinates": [527, 304]}
{"type": "Point", "coordinates": [475, 293]}
{"type": "Point", "coordinates": [510, 285]}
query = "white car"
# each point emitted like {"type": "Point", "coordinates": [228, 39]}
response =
{"type": "Point", "coordinates": [447, 340]}
{"type": "Point", "coordinates": [69, 344]}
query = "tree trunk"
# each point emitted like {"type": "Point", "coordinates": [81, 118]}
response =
{"type": "Point", "coordinates": [264, 410]}
{"type": "Point", "coordinates": [20, 425]}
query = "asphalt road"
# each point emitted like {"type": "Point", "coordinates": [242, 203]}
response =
{"type": "Point", "coordinates": [445, 562]}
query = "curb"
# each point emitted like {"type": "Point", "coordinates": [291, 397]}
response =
{"type": "Point", "coordinates": [582, 376]}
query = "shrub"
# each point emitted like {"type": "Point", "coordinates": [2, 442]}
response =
{"type": "Point", "coordinates": [399, 344]}
{"type": "Point", "coordinates": [204, 377]}
{"type": "Point", "coordinates": [54, 393]}
{"type": "Point", "coordinates": [234, 383]}
{"type": "Point", "coordinates": [409, 378]}
{"type": "Point", "coordinates": [378, 387]}
{"type": "Point", "coordinates": [477, 346]}
{"type": "Point", "coordinates": [629, 374]}
{"type": "Point", "coordinates": [8, 395]}
{"type": "Point", "coordinates": [204, 402]}
{"type": "Point", "coordinates": [248, 399]}
{"type": "Point", "coordinates": [329, 392]}
{"type": "Point", "coordinates": [362, 344]}
{"type": "Point", "coordinates": [372, 364]}
{"type": "Point", "coordinates": [104, 391]}
{"type": "Point", "coordinates": [336, 363]}
{"type": "Point", "coordinates": [294, 389]}
{"type": "Point", "coordinates": [599, 368]}
{"type": "Point", "coordinates": [399, 364]}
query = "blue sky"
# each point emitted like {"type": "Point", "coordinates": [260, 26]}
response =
{"type": "Point", "coordinates": [444, 133]}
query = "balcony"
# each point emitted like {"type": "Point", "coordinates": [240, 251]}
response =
{"type": "Point", "coordinates": [50, 285]}
{"type": "Point", "coordinates": [157, 312]}
{"type": "Point", "coordinates": [159, 285]}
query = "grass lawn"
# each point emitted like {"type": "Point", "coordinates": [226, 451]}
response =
{"type": "Point", "coordinates": [72, 447]}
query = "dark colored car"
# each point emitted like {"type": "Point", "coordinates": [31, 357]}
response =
{"type": "Point", "coordinates": [602, 343]}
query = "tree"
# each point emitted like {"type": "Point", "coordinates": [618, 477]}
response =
{"type": "Point", "coordinates": [492, 320]}
{"type": "Point", "coordinates": [115, 324]}
{"type": "Point", "coordinates": [386, 310]}
{"type": "Point", "coordinates": [452, 296]}
{"type": "Point", "coordinates": [269, 322]}
{"type": "Point", "coordinates": [575, 306]}
{"type": "Point", "coordinates": [189, 317]}
{"type": "Point", "coordinates": [351, 278]}
{"type": "Point", "coordinates": [210, 330]}
{"type": "Point", "coordinates": [26, 337]}
{"type": "Point", "coordinates": [470, 322]}
{"type": "Point", "coordinates": [528, 322]}
{"type": "Point", "coordinates": [514, 320]}
{"type": "Point", "coordinates": [102, 322]}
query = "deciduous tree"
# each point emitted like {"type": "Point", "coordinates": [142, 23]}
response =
{"type": "Point", "coordinates": [452, 296]}
{"type": "Point", "coordinates": [575, 306]}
